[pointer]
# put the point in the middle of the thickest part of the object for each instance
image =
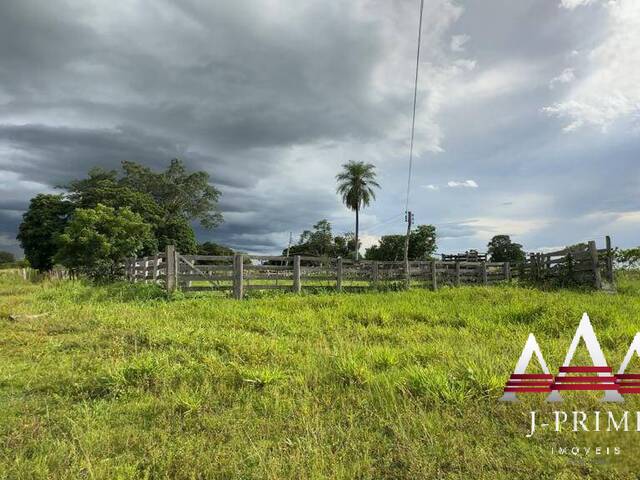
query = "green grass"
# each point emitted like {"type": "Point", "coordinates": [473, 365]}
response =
{"type": "Point", "coordinates": [120, 382]}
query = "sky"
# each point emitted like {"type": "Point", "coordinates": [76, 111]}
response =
{"type": "Point", "coordinates": [527, 119]}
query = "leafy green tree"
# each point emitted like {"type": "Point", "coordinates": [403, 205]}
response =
{"type": "Point", "coordinates": [176, 231]}
{"type": "Point", "coordinates": [6, 257]}
{"type": "Point", "coordinates": [316, 242]}
{"type": "Point", "coordinates": [344, 245]}
{"type": "Point", "coordinates": [320, 242]}
{"type": "Point", "coordinates": [103, 187]}
{"type": "Point", "coordinates": [422, 242]}
{"type": "Point", "coordinates": [44, 220]}
{"type": "Point", "coordinates": [355, 184]}
{"type": "Point", "coordinates": [502, 249]}
{"type": "Point", "coordinates": [96, 241]}
{"type": "Point", "coordinates": [212, 248]}
{"type": "Point", "coordinates": [167, 200]}
{"type": "Point", "coordinates": [177, 192]}
{"type": "Point", "coordinates": [422, 245]}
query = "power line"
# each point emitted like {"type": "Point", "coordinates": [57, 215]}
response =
{"type": "Point", "coordinates": [383, 223]}
{"type": "Point", "coordinates": [390, 219]}
{"type": "Point", "coordinates": [415, 97]}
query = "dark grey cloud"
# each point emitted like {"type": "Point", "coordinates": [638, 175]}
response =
{"type": "Point", "coordinates": [271, 97]}
{"type": "Point", "coordinates": [215, 76]}
{"type": "Point", "coordinates": [55, 155]}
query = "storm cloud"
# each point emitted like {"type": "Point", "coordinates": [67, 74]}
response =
{"type": "Point", "coordinates": [533, 106]}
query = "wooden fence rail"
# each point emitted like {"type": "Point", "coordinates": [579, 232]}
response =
{"type": "Point", "coordinates": [240, 273]}
{"type": "Point", "coordinates": [582, 264]}
{"type": "Point", "coordinates": [237, 274]}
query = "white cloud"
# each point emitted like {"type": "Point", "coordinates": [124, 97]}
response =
{"type": "Point", "coordinates": [548, 248]}
{"type": "Point", "coordinates": [609, 91]}
{"type": "Point", "coordinates": [567, 76]}
{"type": "Point", "coordinates": [571, 4]}
{"type": "Point", "coordinates": [11, 181]}
{"type": "Point", "coordinates": [487, 227]}
{"type": "Point", "coordinates": [468, 84]}
{"type": "Point", "coordinates": [465, 184]}
{"type": "Point", "coordinates": [457, 42]}
{"type": "Point", "coordinates": [395, 76]}
{"type": "Point", "coordinates": [367, 241]}
{"type": "Point", "coordinates": [629, 217]}
{"type": "Point", "coordinates": [431, 187]}
{"type": "Point", "coordinates": [615, 218]}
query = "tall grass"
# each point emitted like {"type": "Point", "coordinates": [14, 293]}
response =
{"type": "Point", "coordinates": [121, 382]}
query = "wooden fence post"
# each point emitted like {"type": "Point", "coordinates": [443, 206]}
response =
{"type": "Point", "coordinates": [610, 275]}
{"type": "Point", "coordinates": [407, 274]}
{"type": "Point", "coordinates": [506, 270]}
{"type": "Point", "coordinates": [155, 268]}
{"type": "Point", "coordinates": [374, 273]}
{"type": "Point", "coordinates": [533, 270]}
{"type": "Point", "coordinates": [238, 274]}
{"type": "Point", "coordinates": [134, 270]}
{"type": "Point", "coordinates": [548, 263]}
{"type": "Point", "coordinates": [171, 279]}
{"type": "Point", "coordinates": [539, 266]}
{"type": "Point", "coordinates": [144, 271]}
{"type": "Point", "coordinates": [483, 270]}
{"type": "Point", "coordinates": [434, 275]}
{"type": "Point", "coordinates": [297, 286]}
{"type": "Point", "coordinates": [176, 261]}
{"type": "Point", "coordinates": [338, 274]}
{"type": "Point", "coordinates": [597, 277]}
{"type": "Point", "coordinates": [457, 280]}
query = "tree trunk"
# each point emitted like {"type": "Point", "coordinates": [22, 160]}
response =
{"type": "Point", "coordinates": [357, 231]}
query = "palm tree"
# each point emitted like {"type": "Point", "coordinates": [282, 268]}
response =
{"type": "Point", "coordinates": [356, 183]}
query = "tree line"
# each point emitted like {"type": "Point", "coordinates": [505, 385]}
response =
{"type": "Point", "coordinates": [96, 222]}
{"type": "Point", "coordinates": [356, 185]}
{"type": "Point", "coordinates": [320, 241]}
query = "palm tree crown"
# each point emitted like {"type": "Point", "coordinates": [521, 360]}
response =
{"type": "Point", "coordinates": [356, 182]}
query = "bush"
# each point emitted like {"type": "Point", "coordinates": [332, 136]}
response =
{"type": "Point", "coordinates": [97, 240]}
{"type": "Point", "coordinates": [502, 249]}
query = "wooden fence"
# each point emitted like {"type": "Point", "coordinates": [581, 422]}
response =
{"type": "Point", "coordinates": [582, 264]}
{"type": "Point", "coordinates": [33, 275]}
{"type": "Point", "coordinates": [468, 256]}
{"type": "Point", "coordinates": [240, 273]}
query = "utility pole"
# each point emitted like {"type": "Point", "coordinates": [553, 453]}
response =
{"type": "Point", "coordinates": [286, 262]}
{"type": "Point", "coordinates": [409, 219]}
{"type": "Point", "coordinates": [290, 240]}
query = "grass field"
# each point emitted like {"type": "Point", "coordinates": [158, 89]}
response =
{"type": "Point", "coordinates": [119, 382]}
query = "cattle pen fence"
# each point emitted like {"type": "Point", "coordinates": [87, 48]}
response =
{"type": "Point", "coordinates": [237, 274]}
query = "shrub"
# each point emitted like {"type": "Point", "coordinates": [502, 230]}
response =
{"type": "Point", "coordinates": [97, 240]}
